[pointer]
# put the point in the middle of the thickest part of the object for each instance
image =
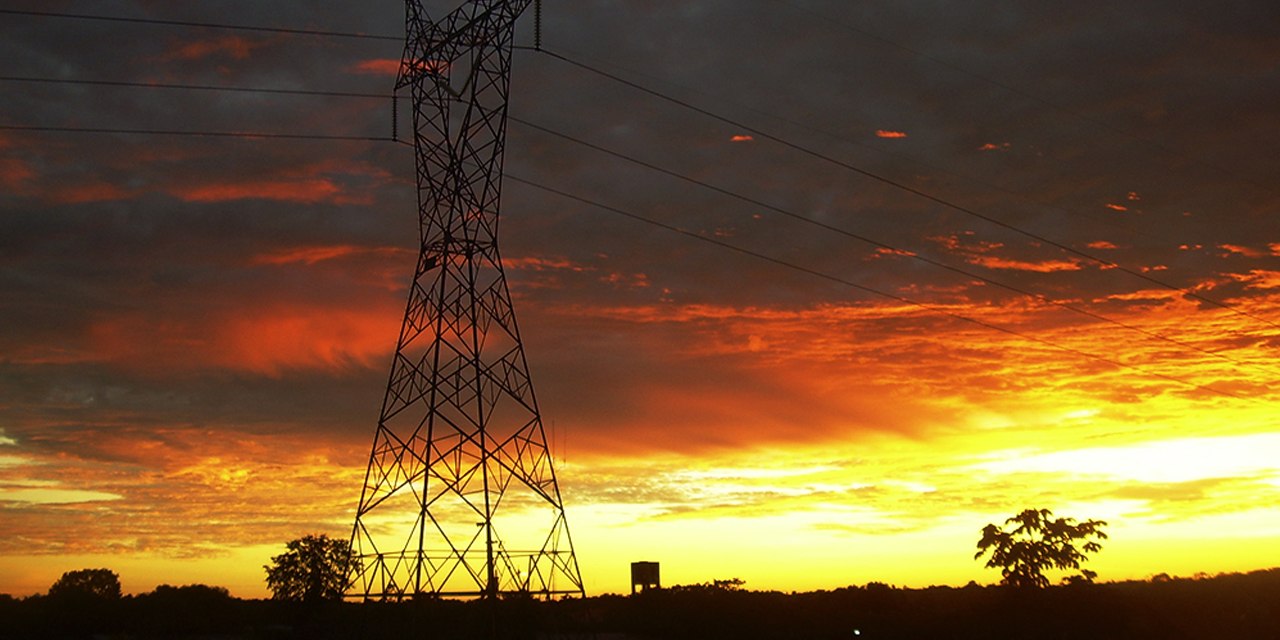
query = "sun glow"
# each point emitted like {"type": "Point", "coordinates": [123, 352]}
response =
{"type": "Point", "coordinates": [1160, 461]}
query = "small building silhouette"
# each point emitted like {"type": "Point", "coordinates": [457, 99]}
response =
{"type": "Point", "coordinates": [645, 576]}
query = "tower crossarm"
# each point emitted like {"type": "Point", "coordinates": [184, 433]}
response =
{"type": "Point", "coordinates": [460, 498]}
{"type": "Point", "coordinates": [431, 46]}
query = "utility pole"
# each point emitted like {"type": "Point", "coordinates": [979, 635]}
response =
{"type": "Point", "coordinates": [460, 497]}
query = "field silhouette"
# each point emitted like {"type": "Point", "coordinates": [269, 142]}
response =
{"type": "Point", "coordinates": [1226, 606]}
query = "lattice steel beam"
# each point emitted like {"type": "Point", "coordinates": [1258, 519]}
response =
{"type": "Point", "coordinates": [460, 497]}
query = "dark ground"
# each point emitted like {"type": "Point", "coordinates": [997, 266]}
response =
{"type": "Point", "coordinates": [1229, 606]}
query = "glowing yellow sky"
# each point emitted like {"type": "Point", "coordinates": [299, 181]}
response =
{"type": "Point", "coordinates": [913, 442]}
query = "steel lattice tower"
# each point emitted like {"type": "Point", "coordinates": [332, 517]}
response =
{"type": "Point", "coordinates": [460, 498]}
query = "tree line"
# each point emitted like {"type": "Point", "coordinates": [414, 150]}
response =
{"type": "Point", "coordinates": [308, 582]}
{"type": "Point", "coordinates": [1228, 606]}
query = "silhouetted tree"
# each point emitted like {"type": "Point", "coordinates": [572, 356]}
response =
{"type": "Point", "coordinates": [314, 568]}
{"type": "Point", "coordinates": [202, 592]}
{"type": "Point", "coordinates": [189, 610]}
{"type": "Point", "coordinates": [715, 586]}
{"type": "Point", "coordinates": [97, 583]}
{"type": "Point", "coordinates": [1037, 543]}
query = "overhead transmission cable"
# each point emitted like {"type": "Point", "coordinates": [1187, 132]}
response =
{"type": "Point", "coordinates": [904, 187]}
{"type": "Point", "coordinates": [880, 150]}
{"type": "Point", "coordinates": [871, 290]}
{"type": "Point", "coordinates": [606, 207]}
{"type": "Point", "coordinates": [211, 25]}
{"type": "Point", "coordinates": [895, 250]}
{"type": "Point", "coordinates": [172, 132]}
{"type": "Point", "coordinates": [199, 134]}
{"type": "Point", "coordinates": [195, 87]}
{"type": "Point", "coordinates": [876, 243]}
{"type": "Point", "coordinates": [1026, 94]}
{"type": "Point", "coordinates": [537, 47]}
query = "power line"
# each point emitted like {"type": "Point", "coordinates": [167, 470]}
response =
{"type": "Point", "coordinates": [571, 138]}
{"type": "Point", "coordinates": [691, 234]}
{"type": "Point", "coordinates": [849, 283]}
{"type": "Point", "coordinates": [537, 47]}
{"type": "Point", "coordinates": [882, 245]}
{"type": "Point", "coordinates": [1026, 94]}
{"type": "Point", "coordinates": [900, 156]}
{"type": "Point", "coordinates": [651, 166]}
{"type": "Point", "coordinates": [781, 211]}
{"type": "Point", "coordinates": [197, 87]}
{"type": "Point", "coordinates": [271, 135]}
{"type": "Point", "coordinates": [211, 25]}
{"type": "Point", "coordinates": [909, 189]}
{"type": "Point", "coordinates": [198, 134]}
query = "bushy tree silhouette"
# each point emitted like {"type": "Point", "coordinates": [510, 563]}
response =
{"type": "Point", "coordinates": [194, 610]}
{"type": "Point", "coordinates": [314, 568]}
{"type": "Point", "coordinates": [1038, 543]}
{"type": "Point", "coordinates": [95, 583]}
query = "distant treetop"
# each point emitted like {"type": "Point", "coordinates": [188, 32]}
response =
{"type": "Point", "coordinates": [95, 583]}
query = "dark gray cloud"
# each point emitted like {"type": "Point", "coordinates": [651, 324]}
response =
{"type": "Point", "coordinates": [1185, 85]}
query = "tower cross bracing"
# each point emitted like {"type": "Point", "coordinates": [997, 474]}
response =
{"type": "Point", "coordinates": [460, 497]}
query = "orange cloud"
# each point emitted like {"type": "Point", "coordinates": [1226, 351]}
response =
{"type": "Point", "coordinates": [312, 255]}
{"type": "Point", "coordinates": [379, 66]}
{"type": "Point", "coordinates": [307, 191]}
{"type": "Point", "coordinates": [627, 281]}
{"type": "Point", "coordinates": [266, 340]}
{"type": "Point", "coordinates": [882, 252]}
{"type": "Point", "coordinates": [308, 184]}
{"type": "Point", "coordinates": [14, 173]}
{"type": "Point", "coordinates": [741, 139]}
{"type": "Point", "coordinates": [838, 420]}
{"type": "Point", "coordinates": [300, 190]}
{"type": "Point", "coordinates": [91, 191]}
{"type": "Point", "coordinates": [981, 254]}
{"type": "Point", "coordinates": [235, 46]}
{"type": "Point", "coordinates": [1248, 252]}
{"type": "Point", "coordinates": [221, 483]}
{"type": "Point", "coordinates": [1259, 279]}
{"type": "Point", "coordinates": [1117, 207]}
{"type": "Point", "coordinates": [537, 263]}
{"type": "Point", "coordinates": [828, 365]}
{"type": "Point", "coordinates": [309, 338]}
{"type": "Point", "coordinates": [994, 147]}
{"type": "Point", "coordinates": [1045, 266]}
{"type": "Point", "coordinates": [305, 180]}
{"type": "Point", "coordinates": [1102, 244]}
{"type": "Point", "coordinates": [890, 134]}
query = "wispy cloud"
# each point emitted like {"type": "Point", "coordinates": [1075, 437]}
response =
{"type": "Point", "coordinates": [232, 46]}
{"type": "Point", "coordinates": [376, 66]}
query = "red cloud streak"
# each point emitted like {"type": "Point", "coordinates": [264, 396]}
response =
{"type": "Point", "coordinates": [305, 191]}
{"type": "Point", "coordinates": [380, 67]}
{"type": "Point", "coordinates": [261, 340]}
{"type": "Point", "coordinates": [233, 45]}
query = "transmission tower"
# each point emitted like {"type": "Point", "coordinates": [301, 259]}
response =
{"type": "Point", "coordinates": [460, 498]}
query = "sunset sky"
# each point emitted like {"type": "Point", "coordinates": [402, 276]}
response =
{"type": "Point", "coordinates": [1071, 299]}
